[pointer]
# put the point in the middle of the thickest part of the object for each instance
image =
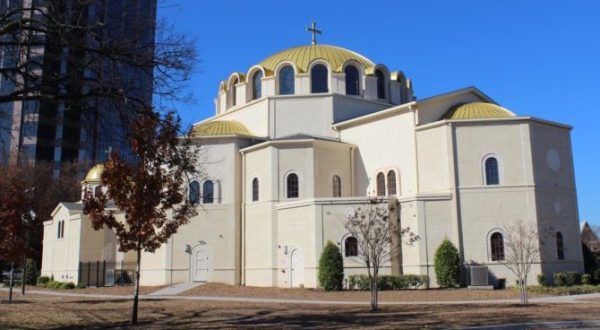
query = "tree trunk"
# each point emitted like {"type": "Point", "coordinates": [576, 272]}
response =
{"type": "Point", "coordinates": [134, 314]}
{"type": "Point", "coordinates": [23, 274]}
{"type": "Point", "coordinates": [374, 298]}
{"type": "Point", "coordinates": [10, 281]}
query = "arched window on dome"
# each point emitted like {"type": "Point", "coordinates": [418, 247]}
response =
{"type": "Point", "coordinates": [352, 80]}
{"type": "Point", "coordinates": [208, 192]}
{"type": "Point", "coordinates": [491, 171]}
{"type": "Point", "coordinates": [233, 92]}
{"type": "Point", "coordinates": [257, 85]}
{"type": "Point", "coordinates": [318, 79]}
{"type": "Point", "coordinates": [380, 184]}
{"type": "Point", "coordinates": [194, 194]}
{"type": "Point", "coordinates": [560, 246]}
{"type": "Point", "coordinates": [380, 84]}
{"type": "Point", "coordinates": [337, 186]}
{"type": "Point", "coordinates": [286, 80]}
{"type": "Point", "coordinates": [98, 191]}
{"type": "Point", "coordinates": [391, 183]}
{"type": "Point", "coordinates": [292, 185]}
{"type": "Point", "coordinates": [255, 191]}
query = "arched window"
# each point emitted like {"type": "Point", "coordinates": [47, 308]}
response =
{"type": "Point", "coordinates": [208, 192]}
{"type": "Point", "coordinates": [255, 190]}
{"type": "Point", "coordinates": [497, 247]}
{"type": "Point", "coordinates": [292, 186]}
{"type": "Point", "coordinates": [491, 171]}
{"type": "Point", "coordinates": [318, 79]}
{"type": "Point", "coordinates": [256, 85]}
{"type": "Point", "coordinates": [560, 247]}
{"type": "Point", "coordinates": [286, 80]}
{"type": "Point", "coordinates": [233, 92]}
{"type": "Point", "coordinates": [351, 247]}
{"type": "Point", "coordinates": [380, 184]}
{"type": "Point", "coordinates": [352, 82]}
{"type": "Point", "coordinates": [391, 183]}
{"type": "Point", "coordinates": [380, 84]}
{"type": "Point", "coordinates": [98, 191]}
{"type": "Point", "coordinates": [337, 186]}
{"type": "Point", "coordinates": [194, 192]}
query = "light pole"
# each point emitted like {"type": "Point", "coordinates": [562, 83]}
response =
{"type": "Point", "coordinates": [27, 220]}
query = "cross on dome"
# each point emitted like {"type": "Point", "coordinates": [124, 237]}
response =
{"type": "Point", "coordinates": [313, 29]}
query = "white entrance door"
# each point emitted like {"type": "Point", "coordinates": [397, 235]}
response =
{"type": "Point", "coordinates": [297, 269]}
{"type": "Point", "coordinates": [200, 265]}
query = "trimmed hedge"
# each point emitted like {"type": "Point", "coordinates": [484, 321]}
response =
{"type": "Point", "coordinates": [389, 282]}
{"type": "Point", "coordinates": [560, 279]}
{"type": "Point", "coordinates": [541, 279]}
{"type": "Point", "coordinates": [447, 265]}
{"type": "Point", "coordinates": [586, 279]}
{"type": "Point", "coordinates": [573, 278]}
{"type": "Point", "coordinates": [43, 280]}
{"type": "Point", "coordinates": [57, 285]}
{"type": "Point", "coordinates": [331, 268]}
{"type": "Point", "coordinates": [565, 290]}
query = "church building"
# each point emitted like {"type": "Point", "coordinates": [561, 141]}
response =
{"type": "Point", "coordinates": [305, 136]}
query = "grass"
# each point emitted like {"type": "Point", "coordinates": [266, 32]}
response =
{"type": "Point", "coordinates": [40, 312]}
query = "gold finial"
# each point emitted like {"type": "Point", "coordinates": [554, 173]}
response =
{"type": "Point", "coordinates": [313, 29]}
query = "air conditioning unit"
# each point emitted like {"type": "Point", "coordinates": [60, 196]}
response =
{"type": "Point", "coordinates": [478, 276]}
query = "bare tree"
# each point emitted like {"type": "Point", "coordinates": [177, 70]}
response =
{"type": "Point", "coordinates": [377, 229]}
{"type": "Point", "coordinates": [522, 243]}
{"type": "Point", "coordinates": [101, 70]}
{"type": "Point", "coordinates": [150, 193]}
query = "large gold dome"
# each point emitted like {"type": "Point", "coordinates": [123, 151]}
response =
{"type": "Point", "coordinates": [302, 56]}
{"type": "Point", "coordinates": [477, 110]}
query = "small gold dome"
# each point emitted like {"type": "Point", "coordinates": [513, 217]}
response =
{"type": "Point", "coordinates": [94, 174]}
{"type": "Point", "coordinates": [477, 110]}
{"type": "Point", "coordinates": [220, 128]}
{"type": "Point", "coordinates": [302, 56]}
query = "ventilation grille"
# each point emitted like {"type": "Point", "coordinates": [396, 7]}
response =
{"type": "Point", "coordinates": [478, 275]}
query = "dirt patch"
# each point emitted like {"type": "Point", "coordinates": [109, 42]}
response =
{"type": "Point", "coordinates": [52, 312]}
{"type": "Point", "coordinates": [115, 290]}
{"type": "Point", "coordinates": [215, 289]}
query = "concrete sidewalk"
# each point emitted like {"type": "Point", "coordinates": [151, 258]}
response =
{"type": "Point", "coordinates": [176, 289]}
{"type": "Point", "coordinates": [573, 299]}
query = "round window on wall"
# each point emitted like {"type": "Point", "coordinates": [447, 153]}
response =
{"type": "Point", "coordinates": [553, 159]}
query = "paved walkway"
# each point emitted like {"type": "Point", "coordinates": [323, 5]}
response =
{"type": "Point", "coordinates": [574, 299]}
{"type": "Point", "coordinates": [175, 289]}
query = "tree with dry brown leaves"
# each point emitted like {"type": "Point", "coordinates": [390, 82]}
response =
{"type": "Point", "coordinates": [15, 217]}
{"type": "Point", "coordinates": [150, 193]}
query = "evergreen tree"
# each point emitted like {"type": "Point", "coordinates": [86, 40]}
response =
{"type": "Point", "coordinates": [331, 268]}
{"type": "Point", "coordinates": [447, 265]}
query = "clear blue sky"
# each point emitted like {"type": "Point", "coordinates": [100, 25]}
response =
{"type": "Point", "coordinates": [538, 58]}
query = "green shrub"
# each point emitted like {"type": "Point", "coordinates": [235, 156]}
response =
{"type": "Point", "coordinates": [63, 285]}
{"type": "Point", "coordinates": [80, 286]}
{"type": "Point", "coordinates": [573, 278]}
{"type": "Point", "coordinates": [331, 268]}
{"type": "Point", "coordinates": [43, 280]}
{"type": "Point", "coordinates": [389, 282]}
{"type": "Point", "coordinates": [560, 279]}
{"type": "Point", "coordinates": [447, 264]}
{"type": "Point", "coordinates": [358, 282]}
{"type": "Point", "coordinates": [70, 286]}
{"type": "Point", "coordinates": [565, 290]}
{"type": "Point", "coordinates": [586, 279]}
{"type": "Point", "coordinates": [541, 279]}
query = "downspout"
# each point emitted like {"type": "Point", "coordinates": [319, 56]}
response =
{"type": "Point", "coordinates": [243, 224]}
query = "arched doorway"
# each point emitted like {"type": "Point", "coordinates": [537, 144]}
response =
{"type": "Point", "coordinates": [297, 269]}
{"type": "Point", "coordinates": [200, 264]}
